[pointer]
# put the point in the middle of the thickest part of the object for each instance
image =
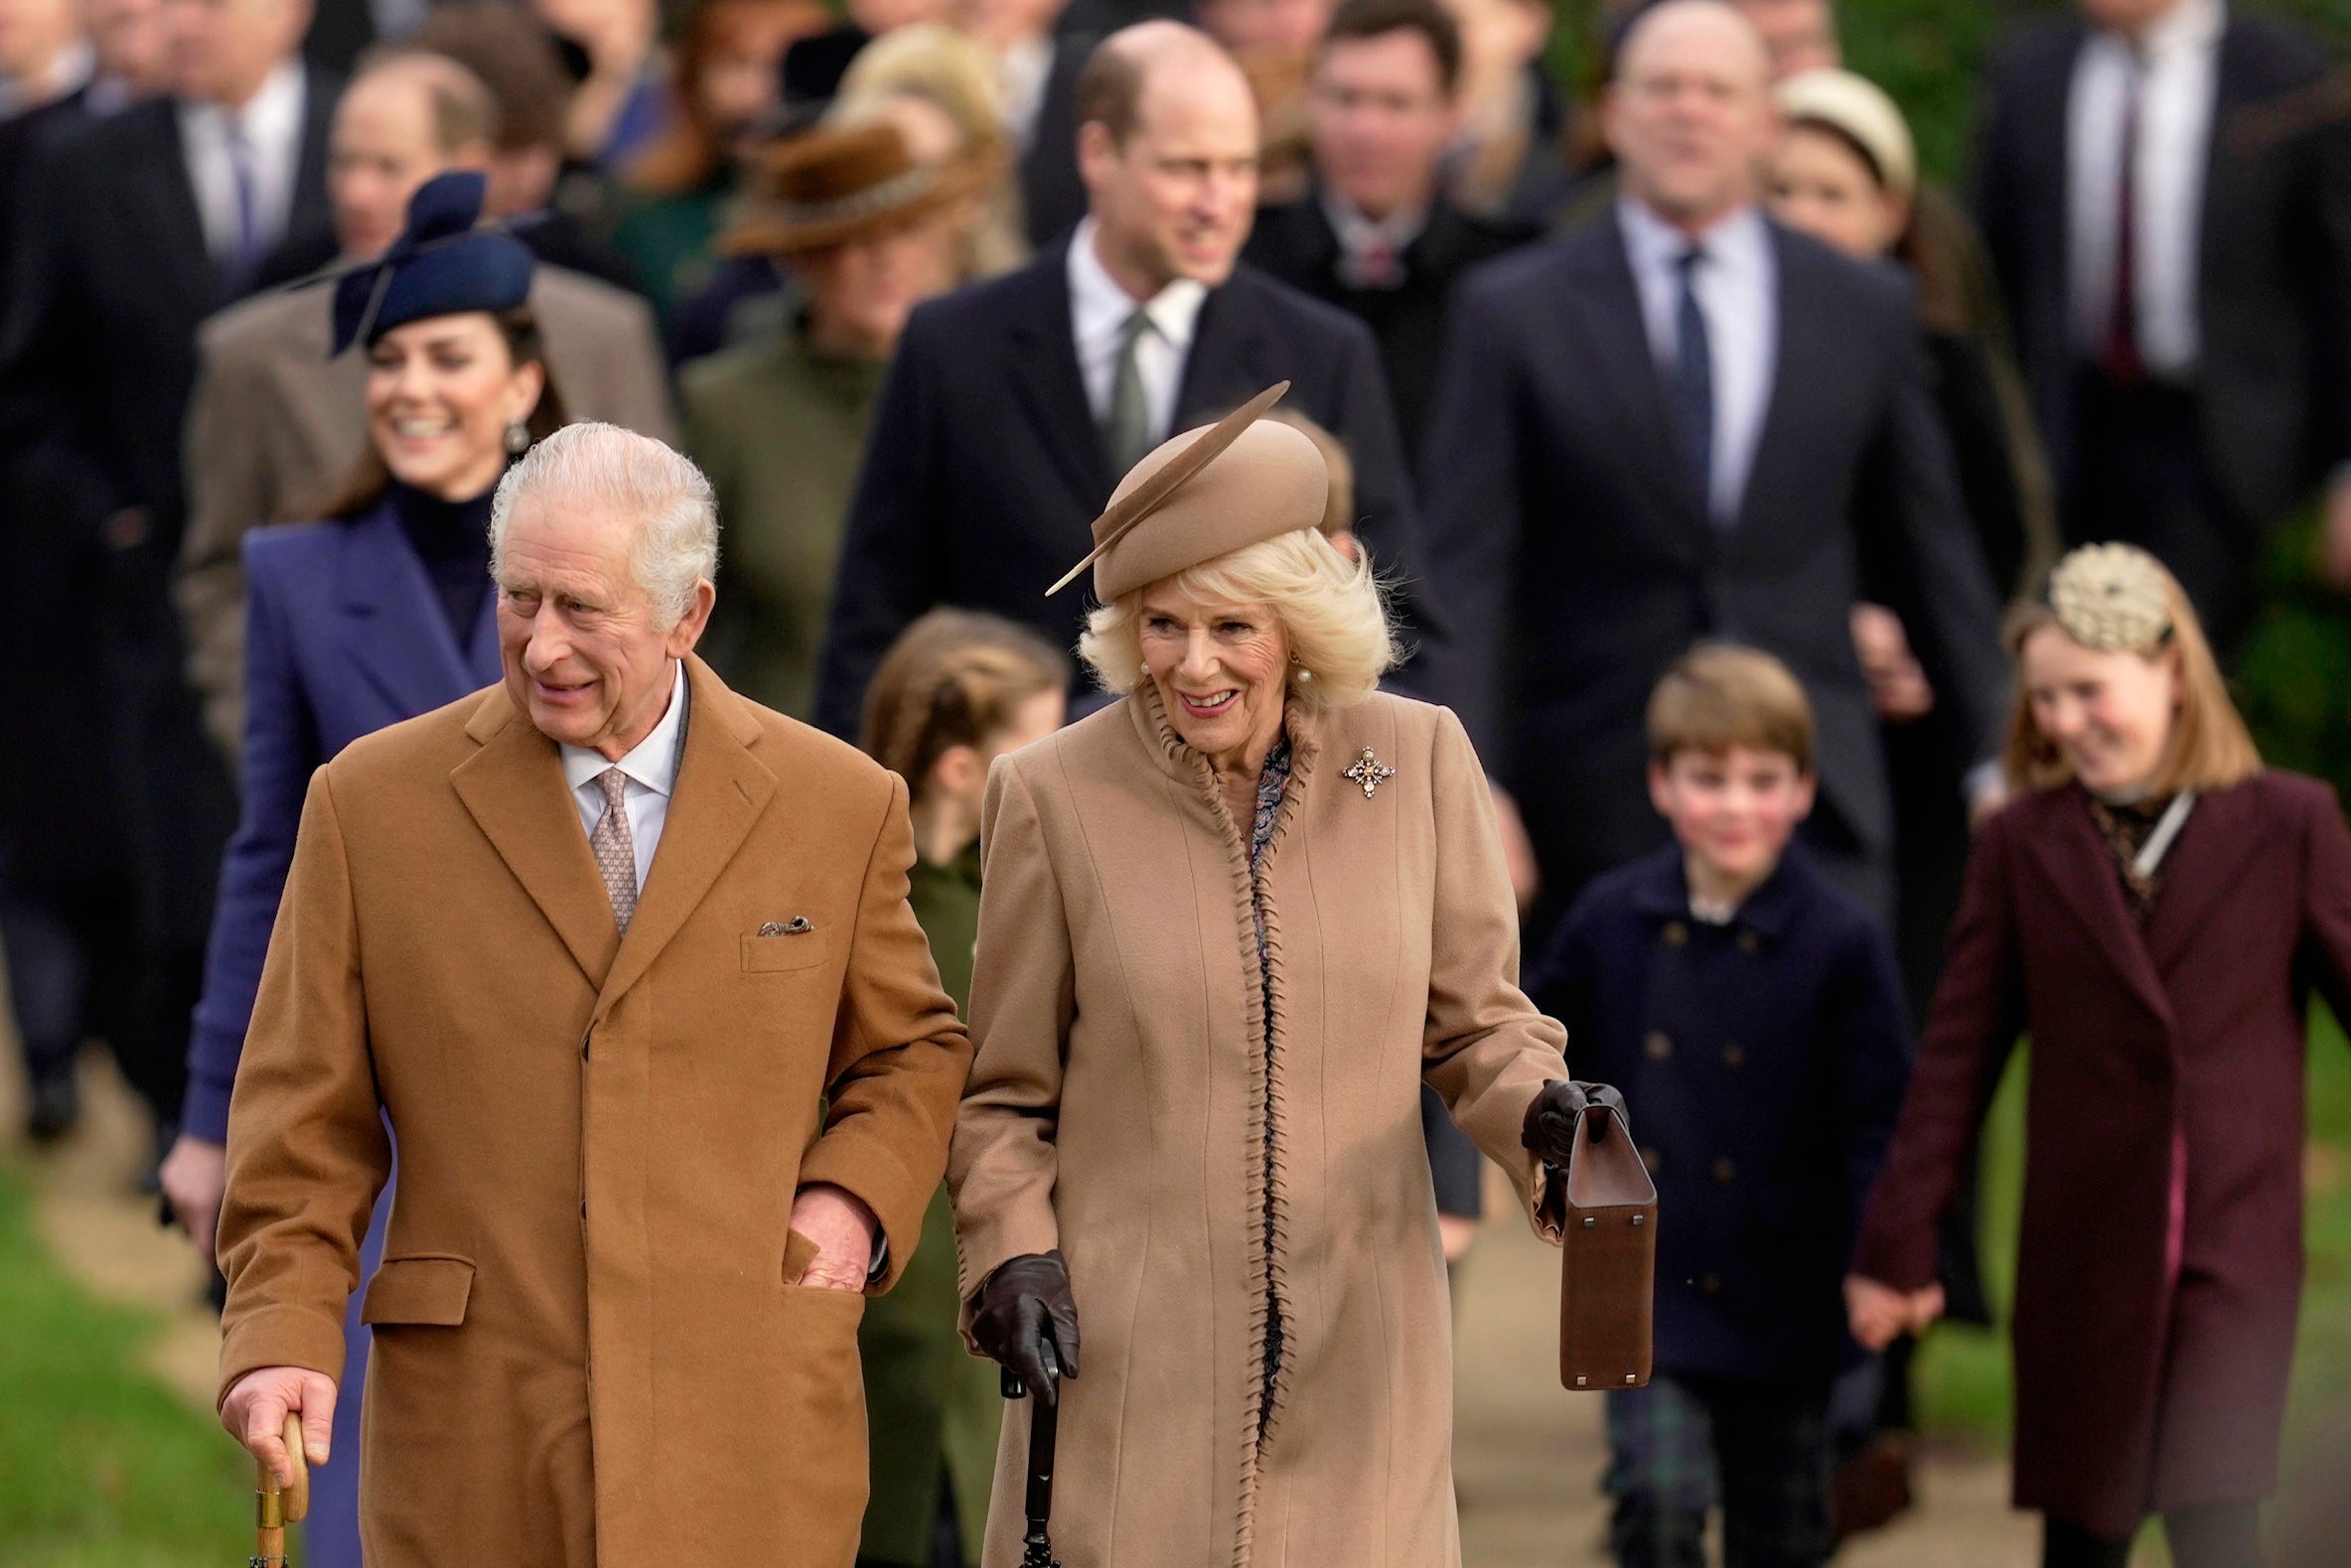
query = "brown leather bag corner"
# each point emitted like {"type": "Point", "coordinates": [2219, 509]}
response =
{"type": "Point", "coordinates": [1608, 1279]}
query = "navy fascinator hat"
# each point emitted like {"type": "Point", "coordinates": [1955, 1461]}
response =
{"type": "Point", "coordinates": [441, 265]}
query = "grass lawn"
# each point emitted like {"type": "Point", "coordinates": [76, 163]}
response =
{"type": "Point", "coordinates": [1964, 1374]}
{"type": "Point", "coordinates": [100, 1465]}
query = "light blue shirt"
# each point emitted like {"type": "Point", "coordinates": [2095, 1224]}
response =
{"type": "Point", "coordinates": [1737, 287]}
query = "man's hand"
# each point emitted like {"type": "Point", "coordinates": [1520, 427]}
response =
{"type": "Point", "coordinates": [2334, 536]}
{"type": "Point", "coordinates": [1517, 849]}
{"type": "Point", "coordinates": [842, 1228]}
{"type": "Point", "coordinates": [255, 1415]}
{"type": "Point", "coordinates": [1879, 1313]}
{"type": "Point", "coordinates": [193, 1176]}
{"type": "Point", "coordinates": [1898, 690]}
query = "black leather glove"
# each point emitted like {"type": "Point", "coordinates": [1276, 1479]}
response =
{"type": "Point", "coordinates": [1024, 1302]}
{"type": "Point", "coordinates": [1553, 1117]}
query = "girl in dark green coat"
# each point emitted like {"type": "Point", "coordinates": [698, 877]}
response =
{"type": "Point", "coordinates": [956, 690]}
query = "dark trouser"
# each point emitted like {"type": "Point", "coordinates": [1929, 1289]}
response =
{"type": "Point", "coordinates": [2211, 1535]}
{"type": "Point", "coordinates": [2139, 478]}
{"type": "Point", "coordinates": [73, 973]}
{"type": "Point", "coordinates": [1763, 1447]}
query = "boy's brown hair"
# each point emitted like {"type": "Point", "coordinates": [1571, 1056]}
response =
{"type": "Point", "coordinates": [1719, 695]}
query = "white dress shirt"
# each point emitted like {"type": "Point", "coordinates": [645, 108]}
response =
{"type": "Point", "coordinates": [271, 123]}
{"type": "Point", "coordinates": [1737, 286]}
{"type": "Point", "coordinates": [2179, 56]}
{"type": "Point", "coordinates": [651, 771]}
{"type": "Point", "coordinates": [1098, 310]}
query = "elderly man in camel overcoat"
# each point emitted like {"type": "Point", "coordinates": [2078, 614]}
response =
{"type": "Point", "coordinates": [626, 965]}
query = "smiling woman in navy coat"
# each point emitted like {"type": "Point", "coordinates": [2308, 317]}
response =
{"type": "Point", "coordinates": [377, 613]}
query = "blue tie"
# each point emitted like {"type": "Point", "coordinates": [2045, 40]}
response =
{"type": "Point", "coordinates": [245, 257]}
{"type": "Point", "coordinates": [1694, 379]}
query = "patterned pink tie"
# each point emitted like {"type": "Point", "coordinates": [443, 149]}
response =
{"type": "Point", "coordinates": [616, 847]}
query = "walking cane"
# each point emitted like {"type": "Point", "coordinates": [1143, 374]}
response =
{"type": "Point", "coordinates": [1036, 1547]}
{"type": "Point", "coordinates": [277, 1508]}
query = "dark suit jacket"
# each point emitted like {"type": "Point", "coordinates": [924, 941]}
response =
{"type": "Point", "coordinates": [984, 469]}
{"type": "Point", "coordinates": [1764, 1063]}
{"type": "Point", "coordinates": [2134, 1396]}
{"type": "Point", "coordinates": [1052, 196]}
{"type": "Point", "coordinates": [1296, 243]}
{"type": "Point", "coordinates": [1572, 558]}
{"type": "Point", "coordinates": [98, 359]}
{"type": "Point", "coordinates": [2274, 265]}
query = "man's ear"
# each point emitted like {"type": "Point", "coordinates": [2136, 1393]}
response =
{"type": "Point", "coordinates": [696, 621]}
{"type": "Point", "coordinates": [1097, 155]}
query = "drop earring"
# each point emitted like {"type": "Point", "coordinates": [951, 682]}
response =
{"type": "Point", "coordinates": [517, 437]}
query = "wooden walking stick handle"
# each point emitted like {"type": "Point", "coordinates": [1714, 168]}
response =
{"type": "Point", "coordinates": [277, 1506]}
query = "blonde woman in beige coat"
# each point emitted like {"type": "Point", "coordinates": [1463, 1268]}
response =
{"type": "Point", "coordinates": [1230, 925]}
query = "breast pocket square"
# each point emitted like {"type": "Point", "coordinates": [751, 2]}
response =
{"type": "Point", "coordinates": [795, 943]}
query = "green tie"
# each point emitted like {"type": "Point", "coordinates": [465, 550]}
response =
{"type": "Point", "coordinates": [1127, 432]}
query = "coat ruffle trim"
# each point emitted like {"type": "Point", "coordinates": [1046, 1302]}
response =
{"type": "Point", "coordinates": [1264, 1181]}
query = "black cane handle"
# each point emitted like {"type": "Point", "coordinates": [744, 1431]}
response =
{"type": "Point", "coordinates": [1044, 1433]}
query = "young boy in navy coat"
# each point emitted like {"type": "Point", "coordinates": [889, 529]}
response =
{"type": "Point", "coordinates": [1754, 1013]}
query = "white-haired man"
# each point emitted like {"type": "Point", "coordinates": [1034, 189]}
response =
{"type": "Point", "coordinates": [625, 963]}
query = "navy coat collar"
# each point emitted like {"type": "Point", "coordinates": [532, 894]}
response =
{"type": "Point", "coordinates": [396, 629]}
{"type": "Point", "coordinates": [1660, 890]}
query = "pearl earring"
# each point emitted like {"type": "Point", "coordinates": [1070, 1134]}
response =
{"type": "Point", "coordinates": [517, 437]}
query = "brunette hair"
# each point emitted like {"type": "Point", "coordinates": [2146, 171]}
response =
{"type": "Point", "coordinates": [514, 57]}
{"type": "Point", "coordinates": [1357, 20]}
{"type": "Point", "coordinates": [2209, 747]}
{"type": "Point", "coordinates": [1719, 695]}
{"type": "Point", "coordinates": [953, 678]}
{"type": "Point", "coordinates": [690, 151]}
{"type": "Point", "coordinates": [362, 487]}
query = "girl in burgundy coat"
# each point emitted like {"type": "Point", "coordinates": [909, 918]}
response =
{"type": "Point", "coordinates": [2152, 912]}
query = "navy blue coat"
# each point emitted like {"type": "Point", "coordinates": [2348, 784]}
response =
{"type": "Point", "coordinates": [344, 635]}
{"type": "Point", "coordinates": [1763, 1062]}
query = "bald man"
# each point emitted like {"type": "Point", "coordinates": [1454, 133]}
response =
{"type": "Point", "coordinates": [1680, 421]}
{"type": "Point", "coordinates": [274, 422]}
{"type": "Point", "coordinates": [1014, 406]}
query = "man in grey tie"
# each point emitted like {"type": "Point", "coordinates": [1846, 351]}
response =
{"type": "Point", "coordinates": [1679, 421]}
{"type": "Point", "coordinates": [626, 965]}
{"type": "Point", "coordinates": [1013, 407]}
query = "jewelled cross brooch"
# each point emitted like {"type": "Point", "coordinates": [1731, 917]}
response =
{"type": "Point", "coordinates": [1368, 772]}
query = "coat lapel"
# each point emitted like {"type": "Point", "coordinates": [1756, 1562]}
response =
{"type": "Point", "coordinates": [2082, 869]}
{"type": "Point", "coordinates": [1603, 292]}
{"type": "Point", "coordinates": [2208, 858]}
{"type": "Point", "coordinates": [513, 787]}
{"type": "Point", "coordinates": [1230, 361]}
{"type": "Point", "coordinates": [1046, 380]}
{"type": "Point", "coordinates": [170, 211]}
{"type": "Point", "coordinates": [1800, 361]}
{"type": "Point", "coordinates": [393, 626]}
{"type": "Point", "coordinates": [307, 213]}
{"type": "Point", "coordinates": [720, 791]}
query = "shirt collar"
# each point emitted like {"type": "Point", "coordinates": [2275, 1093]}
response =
{"type": "Point", "coordinates": [1358, 232]}
{"type": "Point", "coordinates": [2190, 25]}
{"type": "Point", "coordinates": [1737, 240]}
{"type": "Point", "coordinates": [652, 762]}
{"type": "Point", "coordinates": [272, 118]}
{"type": "Point", "coordinates": [1101, 306]}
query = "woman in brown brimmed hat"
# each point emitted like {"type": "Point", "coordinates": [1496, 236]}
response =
{"type": "Point", "coordinates": [779, 424]}
{"type": "Point", "coordinates": [1228, 926]}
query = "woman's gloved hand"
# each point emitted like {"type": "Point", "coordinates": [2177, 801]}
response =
{"type": "Point", "coordinates": [1025, 1299]}
{"type": "Point", "coordinates": [1557, 1112]}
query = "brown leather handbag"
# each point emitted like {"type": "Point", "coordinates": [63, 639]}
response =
{"type": "Point", "coordinates": [1608, 1279]}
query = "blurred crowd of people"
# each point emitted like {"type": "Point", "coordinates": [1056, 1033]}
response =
{"type": "Point", "coordinates": [1697, 349]}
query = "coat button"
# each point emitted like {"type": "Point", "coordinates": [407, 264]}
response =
{"type": "Point", "coordinates": [1675, 933]}
{"type": "Point", "coordinates": [1657, 1045]}
{"type": "Point", "coordinates": [1749, 941]}
{"type": "Point", "coordinates": [1725, 1171]}
{"type": "Point", "coordinates": [1734, 1056]}
{"type": "Point", "coordinates": [1711, 1284]}
{"type": "Point", "coordinates": [1653, 1157]}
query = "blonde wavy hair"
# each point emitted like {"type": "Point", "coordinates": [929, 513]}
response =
{"type": "Point", "coordinates": [2209, 747]}
{"type": "Point", "coordinates": [1332, 610]}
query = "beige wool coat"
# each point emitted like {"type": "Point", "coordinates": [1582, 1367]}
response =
{"type": "Point", "coordinates": [586, 1350]}
{"type": "Point", "coordinates": [1123, 1109]}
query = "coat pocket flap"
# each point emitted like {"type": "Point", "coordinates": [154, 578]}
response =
{"type": "Point", "coordinates": [419, 1290]}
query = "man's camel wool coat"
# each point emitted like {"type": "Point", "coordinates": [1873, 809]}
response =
{"type": "Point", "coordinates": [586, 1348]}
{"type": "Point", "coordinates": [1207, 1177]}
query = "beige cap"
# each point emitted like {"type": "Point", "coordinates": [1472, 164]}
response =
{"type": "Point", "coordinates": [1860, 110]}
{"type": "Point", "coordinates": [1203, 493]}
